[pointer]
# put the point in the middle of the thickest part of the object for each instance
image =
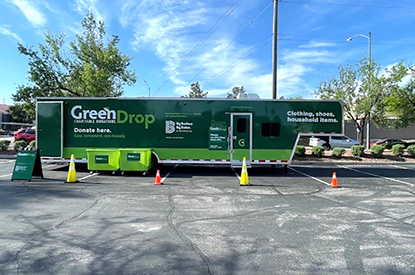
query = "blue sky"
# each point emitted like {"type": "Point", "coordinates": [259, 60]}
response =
{"type": "Point", "coordinates": [220, 43]}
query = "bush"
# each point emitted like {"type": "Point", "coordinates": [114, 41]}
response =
{"type": "Point", "coordinates": [377, 151]}
{"type": "Point", "coordinates": [4, 145]}
{"type": "Point", "coordinates": [398, 149]}
{"type": "Point", "coordinates": [300, 151]}
{"type": "Point", "coordinates": [20, 145]}
{"type": "Point", "coordinates": [317, 151]}
{"type": "Point", "coordinates": [358, 150]}
{"type": "Point", "coordinates": [32, 145]}
{"type": "Point", "coordinates": [411, 150]}
{"type": "Point", "coordinates": [339, 152]}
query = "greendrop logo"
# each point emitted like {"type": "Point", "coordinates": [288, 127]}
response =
{"type": "Point", "coordinates": [106, 115]}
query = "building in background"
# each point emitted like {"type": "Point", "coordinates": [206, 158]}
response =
{"type": "Point", "coordinates": [7, 124]}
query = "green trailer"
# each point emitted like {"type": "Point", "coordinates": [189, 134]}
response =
{"type": "Point", "coordinates": [142, 132]}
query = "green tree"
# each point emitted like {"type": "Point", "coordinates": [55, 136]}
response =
{"type": "Point", "coordinates": [236, 91]}
{"type": "Point", "coordinates": [19, 115]}
{"type": "Point", "coordinates": [196, 91]}
{"type": "Point", "coordinates": [88, 67]}
{"type": "Point", "coordinates": [363, 90]}
{"type": "Point", "coordinates": [401, 103]}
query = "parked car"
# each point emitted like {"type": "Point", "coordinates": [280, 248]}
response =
{"type": "Point", "coordinates": [388, 142]}
{"type": "Point", "coordinates": [25, 134]}
{"type": "Point", "coordinates": [329, 142]}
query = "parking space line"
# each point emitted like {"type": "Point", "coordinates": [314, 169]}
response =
{"type": "Point", "coordinates": [403, 167]}
{"type": "Point", "coordinates": [8, 175]}
{"type": "Point", "coordinates": [84, 178]}
{"type": "Point", "coordinates": [239, 178]}
{"type": "Point", "coordinates": [307, 175]}
{"type": "Point", "coordinates": [7, 161]}
{"type": "Point", "coordinates": [378, 176]}
{"type": "Point", "coordinates": [168, 174]}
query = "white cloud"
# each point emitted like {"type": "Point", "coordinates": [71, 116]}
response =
{"type": "Point", "coordinates": [85, 6]}
{"type": "Point", "coordinates": [32, 13]}
{"type": "Point", "coordinates": [308, 56]}
{"type": "Point", "coordinates": [4, 30]}
{"type": "Point", "coordinates": [173, 28]}
{"type": "Point", "coordinates": [318, 44]}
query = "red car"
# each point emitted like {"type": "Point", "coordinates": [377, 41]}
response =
{"type": "Point", "coordinates": [387, 143]}
{"type": "Point", "coordinates": [25, 134]}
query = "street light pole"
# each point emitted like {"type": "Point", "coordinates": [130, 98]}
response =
{"type": "Point", "coordinates": [369, 38]}
{"type": "Point", "coordinates": [148, 88]}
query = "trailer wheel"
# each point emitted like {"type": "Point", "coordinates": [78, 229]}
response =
{"type": "Point", "coordinates": [154, 164]}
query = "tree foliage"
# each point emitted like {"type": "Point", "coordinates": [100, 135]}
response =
{"type": "Point", "coordinates": [401, 103]}
{"type": "Point", "coordinates": [86, 67]}
{"type": "Point", "coordinates": [196, 91]}
{"type": "Point", "coordinates": [363, 89]}
{"type": "Point", "coordinates": [236, 91]}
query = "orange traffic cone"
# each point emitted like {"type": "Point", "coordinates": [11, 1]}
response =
{"type": "Point", "coordinates": [334, 181]}
{"type": "Point", "coordinates": [158, 178]}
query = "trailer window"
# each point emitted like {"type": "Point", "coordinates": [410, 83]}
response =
{"type": "Point", "coordinates": [270, 129]}
{"type": "Point", "coordinates": [241, 125]}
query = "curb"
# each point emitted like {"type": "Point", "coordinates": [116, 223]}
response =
{"type": "Point", "coordinates": [333, 163]}
{"type": "Point", "coordinates": [7, 156]}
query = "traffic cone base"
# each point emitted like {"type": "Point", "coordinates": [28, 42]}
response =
{"type": "Point", "coordinates": [334, 181]}
{"type": "Point", "coordinates": [158, 179]}
{"type": "Point", "coordinates": [72, 172]}
{"type": "Point", "coordinates": [244, 181]}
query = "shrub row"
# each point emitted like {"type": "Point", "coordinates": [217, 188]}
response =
{"type": "Point", "coordinates": [18, 145]}
{"type": "Point", "coordinates": [357, 150]}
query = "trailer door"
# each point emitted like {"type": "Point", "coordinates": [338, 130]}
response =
{"type": "Point", "coordinates": [49, 122]}
{"type": "Point", "coordinates": [241, 138]}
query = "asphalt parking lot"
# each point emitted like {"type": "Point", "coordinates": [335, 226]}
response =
{"type": "Point", "coordinates": [202, 222]}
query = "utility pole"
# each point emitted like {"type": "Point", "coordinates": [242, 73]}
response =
{"type": "Point", "coordinates": [274, 51]}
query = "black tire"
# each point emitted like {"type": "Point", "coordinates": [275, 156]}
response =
{"type": "Point", "coordinates": [326, 147]}
{"type": "Point", "coordinates": [154, 165]}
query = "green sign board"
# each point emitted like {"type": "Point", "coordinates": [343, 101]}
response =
{"type": "Point", "coordinates": [218, 137]}
{"type": "Point", "coordinates": [27, 165]}
{"type": "Point", "coordinates": [102, 159]}
{"type": "Point", "coordinates": [133, 156]}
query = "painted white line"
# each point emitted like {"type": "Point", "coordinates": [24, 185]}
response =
{"type": "Point", "coordinates": [84, 178]}
{"type": "Point", "coordinates": [7, 175]}
{"type": "Point", "coordinates": [378, 176]}
{"type": "Point", "coordinates": [7, 161]}
{"type": "Point", "coordinates": [307, 175]}
{"type": "Point", "coordinates": [403, 167]}
{"type": "Point", "coordinates": [239, 178]}
{"type": "Point", "coordinates": [49, 166]}
{"type": "Point", "coordinates": [168, 174]}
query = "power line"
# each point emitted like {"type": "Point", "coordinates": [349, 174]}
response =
{"type": "Point", "coordinates": [346, 5]}
{"type": "Point", "coordinates": [225, 15]}
{"type": "Point", "coordinates": [233, 41]}
{"type": "Point", "coordinates": [239, 60]}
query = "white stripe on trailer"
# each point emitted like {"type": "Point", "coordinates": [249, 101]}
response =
{"type": "Point", "coordinates": [68, 160]}
{"type": "Point", "coordinates": [221, 161]}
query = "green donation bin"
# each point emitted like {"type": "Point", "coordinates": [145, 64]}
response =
{"type": "Point", "coordinates": [135, 159]}
{"type": "Point", "coordinates": [103, 159]}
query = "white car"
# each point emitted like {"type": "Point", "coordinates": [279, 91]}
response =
{"type": "Point", "coordinates": [330, 142]}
